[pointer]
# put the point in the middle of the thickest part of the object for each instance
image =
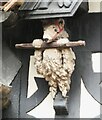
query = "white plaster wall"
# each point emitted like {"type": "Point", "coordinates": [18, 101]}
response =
{"type": "Point", "coordinates": [90, 108]}
{"type": "Point", "coordinates": [94, 6]}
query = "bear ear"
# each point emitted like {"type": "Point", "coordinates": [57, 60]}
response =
{"type": "Point", "coordinates": [61, 22]}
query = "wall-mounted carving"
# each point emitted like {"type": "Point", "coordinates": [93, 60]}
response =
{"type": "Point", "coordinates": [55, 60]}
{"type": "Point", "coordinates": [55, 65]}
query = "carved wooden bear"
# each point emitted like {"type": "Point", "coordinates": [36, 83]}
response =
{"type": "Point", "coordinates": [56, 65]}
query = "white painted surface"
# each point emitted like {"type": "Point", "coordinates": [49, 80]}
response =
{"type": "Point", "coordinates": [89, 107]}
{"type": "Point", "coordinates": [96, 62]}
{"type": "Point", "coordinates": [94, 6]}
{"type": "Point", "coordinates": [32, 86]}
{"type": "Point", "coordinates": [45, 109]}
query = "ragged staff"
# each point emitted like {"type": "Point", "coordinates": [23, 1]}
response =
{"type": "Point", "coordinates": [44, 45]}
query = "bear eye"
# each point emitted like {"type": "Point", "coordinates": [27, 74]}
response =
{"type": "Point", "coordinates": [55, 30]}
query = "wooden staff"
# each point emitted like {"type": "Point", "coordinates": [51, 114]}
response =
{"type": "Point", "coordinates": [45, 45]}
